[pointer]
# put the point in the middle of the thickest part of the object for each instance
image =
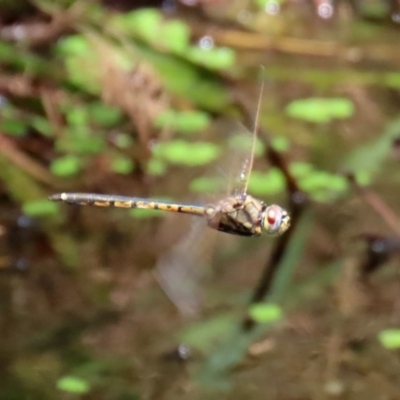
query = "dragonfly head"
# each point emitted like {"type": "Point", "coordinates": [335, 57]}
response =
{"type": "Point", "coordinates": [275, 220]}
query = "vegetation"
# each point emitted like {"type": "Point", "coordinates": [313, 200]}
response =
{"type": "Point", "coordinates": [106, 97]}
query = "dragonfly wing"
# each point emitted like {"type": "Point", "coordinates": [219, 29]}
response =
{"type": "Point", "coordinates": [236, 163]}
{"type": "Point", "coordinates": [182, 271]}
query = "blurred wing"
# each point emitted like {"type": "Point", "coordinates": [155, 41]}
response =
{"type": "Point", "coordinates": [183, 270]}
{"type": "Point", "coordinates": [240, 146]}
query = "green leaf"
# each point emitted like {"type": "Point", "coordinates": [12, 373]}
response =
{"type": "Point", "coordinates": [184, 79]}
{"type": "Point", "coordinates": [123, 140]}
{"type": "Point", "coordinates": [390, 338]}
{"type": "Point", "coordinates": [73, 45]}
{"type": "Point", "coordinates": [77, 116]}
{"type": "Point", "coordinates": [65, 166]}
{"type": "Point", "coordinates": [73, 384]}
{"type": "Point", "coordinates": [82, 141]}
{"type": "Point", "coordinates": [42, 125]}
{"type": "Point", "coordinates": [264, 313]}
{"type": "Point", "coordinates": [104, 114]}
{"type": "Point", "coordinates": [175, 36]}
{"type": "Point", "coordinates": [145, 22]}
{"type": "Point", "coordinates": [183, 121]}
{"type": "Point", "coordinates": [186, 153]}
{"type": "Point", "coordinates": [318, 180]}
{"type": "Point", "coordinates": [203, 335]}
{"type": "Point", "coordinates": [372, 156]}
{"type": "Point", "coordinates": [156, 167]}
{"type": "Point", "coordinates": [122, 165]}
{"type": "Point", "coordinates": [214, 58]}
{"type": "Point", "coordinates": [280, 143]}
{"type": "Point", "coordinates": [264, 3]}
{"type": "Point", "coordinates": [392, 79]}
{"type": "Point", "coordinates": [37, 208]}
{"type": "Point", "coordinates": [320, 110]}
{"type": "Point", "coordinates": [206, 184]}
{"type": "Point", "coordinates": [363, 178]}
{"type": "Point", "coordinates": [81, 62]}
{"type": "Point", "coordinates": [301, 169]}
{"type": "Point", "coordinates": [265, 184]}
{"type": "Point", "coordinates": [14, 127]}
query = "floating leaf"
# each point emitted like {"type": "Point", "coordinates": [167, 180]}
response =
{"type": "Point", "coordinates": [73, 384]}
{"type": "Point", "coordinates": [81, 61]}
{"type": "Point", "coordinates": [390, 338]}
{"type": "Point", "coordinates": [104, 114]}
{"type": "Point", "coordinates": [66, 166]}
{"type": "Point", "coordinates": [42, 125]}
{"type": "Point", "coordinates": [392, 79]}
{"type": "Point", "coordinates": [206, 185]}
{"type": "Point", "coordinates": [37, 208]}
{"type": "Point", "coordinates": [77, 116]}
{"type": "Point", "coordinates": [318, 180]}
{"type": "Point", "coordinates": [215, 57]}
{"type": "Point", "coordinates": [320, 110]}
{"type": "Point", "coordinates": [123, 140]}
{"type": "Point", "coordinates": [203, 335]}
{"type": "Point", "coordinates": [266, 183]}
{"type": "Point", "coordinates": [145, 22]}
{"type": "Point", "coordinates": [13, 127]}
{"type": "Point", "coordinates": [363, 178]}
{"type": "Point", "coordinates": [265, 3]}
{"type": "Point", "coordinates": [156, 167]}
{"type": "Point", "coordinates": [371, 156]}
{"type": "Point", "coordinates": [82, 141]}
{"type": "Point", "coordinates": [264, 313]}
{"type": "Point", "coordinates": [73, 45]}
{"type": "Point", "coordinates": [175, 36]}
{"type": "Point", "coordinates": [184, 121]}
{"type": "Point", "coordinates": [122, 165]}
{"type": "Point", "coordinates": [280, 143]}
{"type": "Point", "coordinates": [183, 78]}
{"type": "Point", "coordinates": [186, 153]}
{"type": "Point", "coordinates": [300, 169]}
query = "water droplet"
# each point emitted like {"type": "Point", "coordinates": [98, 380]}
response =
{"type": "Point", "coordinates": [272, 7]}
{"type": "Point", "coordinates": [325, 10]}
{"type": "Point", "coordinates": [206, 42]}
{"type": "Point", "coordinates": [396, 18]}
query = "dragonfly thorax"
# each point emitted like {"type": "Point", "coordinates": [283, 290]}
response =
{"type": "Point", "coordinates": [246, 216]}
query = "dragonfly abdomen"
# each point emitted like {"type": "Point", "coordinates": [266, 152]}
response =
{"type": "Point", "coordinates": [104, 200]}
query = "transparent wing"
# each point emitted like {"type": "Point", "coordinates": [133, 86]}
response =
{"type": "Point", "coordinates": [235, 165]}
{"type": "Point", "coordinates": [183, 271]}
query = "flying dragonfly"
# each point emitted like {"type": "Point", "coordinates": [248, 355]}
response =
{"type": "Point", "coordinates": [238, 213]}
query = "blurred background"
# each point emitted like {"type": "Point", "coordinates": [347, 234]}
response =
{"type": "Point", "coordinates": [141, 98]}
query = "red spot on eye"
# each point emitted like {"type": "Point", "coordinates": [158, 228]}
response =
{"type": "Point", "coordinates": [271, 217]}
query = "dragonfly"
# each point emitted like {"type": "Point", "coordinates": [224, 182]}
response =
{"type": "Point", "coordinates": [238, 213]}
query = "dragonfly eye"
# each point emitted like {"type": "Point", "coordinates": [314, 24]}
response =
{"type": "Point", "coordinates": [275, 220]}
